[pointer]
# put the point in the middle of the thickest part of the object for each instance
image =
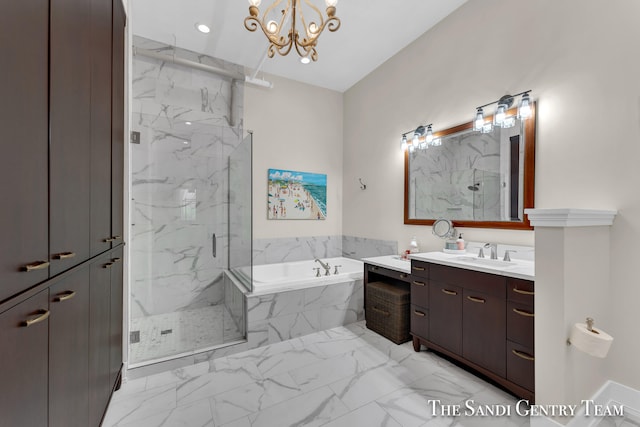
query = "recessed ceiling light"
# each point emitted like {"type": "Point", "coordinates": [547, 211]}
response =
{"type": "Point", "coordinates": [187, 123]}
{"type": "Point", "coordinates": [305, 60]}
{"type": "Point", "coordinates": [203, 28]}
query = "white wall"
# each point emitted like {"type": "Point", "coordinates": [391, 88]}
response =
{"type": "Point", "coordinates": [581, 59]}
{"type": "Point", "coordinates": [296, 127]}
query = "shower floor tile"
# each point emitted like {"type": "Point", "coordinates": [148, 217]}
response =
{"type": "Point", "coordinates": [170, 334]}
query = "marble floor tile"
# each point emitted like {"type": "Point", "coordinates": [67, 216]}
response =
{"type": "Point", "coordinates": [346, 376]}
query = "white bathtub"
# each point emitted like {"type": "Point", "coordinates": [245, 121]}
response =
{"type": "Point", "coordinates": [270, 278]}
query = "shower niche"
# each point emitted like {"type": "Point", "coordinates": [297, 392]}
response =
{"type": "Point", "coordinates": [190, 168]}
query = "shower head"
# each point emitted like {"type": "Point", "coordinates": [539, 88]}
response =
{"type": "Point", "coordinates": [474, 187]}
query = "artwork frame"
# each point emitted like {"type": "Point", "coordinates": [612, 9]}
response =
{"type": "Point", "coordinates": [296, 195]}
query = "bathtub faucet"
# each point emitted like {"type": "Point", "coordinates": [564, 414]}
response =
{"type": "Point", "coordinates": [326, 266]}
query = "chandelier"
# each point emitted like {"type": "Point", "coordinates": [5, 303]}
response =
{"type": "Point", "coordinates": [281, 39]}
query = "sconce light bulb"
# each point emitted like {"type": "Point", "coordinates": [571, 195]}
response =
{"type": "Point", "coordinates": [478, 122]}
{"type": "Point", "coordinates": [403, 144]}
{"type": "Point", "coordinates": [524, 109]}
{"type": "Point", "coordinates": [500, 115]}
{"type": "Point", "coordinates": [429, 137]}
{"type": "Point", "coordinates": [415, 140]}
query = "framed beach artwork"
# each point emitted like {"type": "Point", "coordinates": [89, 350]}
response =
{"type": "Point", "coordinates": [296, 195]}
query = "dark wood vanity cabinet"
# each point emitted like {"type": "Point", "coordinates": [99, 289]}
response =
{"type": "Point", "coordinates": [61, 173]}
{"type": "Point", "coordinates": [480, 319]}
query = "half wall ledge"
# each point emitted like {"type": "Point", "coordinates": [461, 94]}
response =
{"type": "Point", "coordinates": [570, 217]}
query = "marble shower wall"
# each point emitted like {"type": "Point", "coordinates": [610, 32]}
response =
{"type": "Point", "coordinates": [179, 179]}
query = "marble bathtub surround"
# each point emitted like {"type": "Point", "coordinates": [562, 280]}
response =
{"type": "Point", "coordinates": [346, 376]}
{"type": "Point", "coordinates": [276, 250]}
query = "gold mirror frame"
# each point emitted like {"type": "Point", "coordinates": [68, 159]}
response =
{"type": "Point", "coordinates": [528, 184]}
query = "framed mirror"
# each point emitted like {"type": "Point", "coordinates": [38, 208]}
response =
{"type": "Point", "coordinates": [475, 179]}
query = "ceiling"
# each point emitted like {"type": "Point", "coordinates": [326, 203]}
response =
{"type": "Point", "coordinates": [371, 32]}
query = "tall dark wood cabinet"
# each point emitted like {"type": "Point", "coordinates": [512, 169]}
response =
{"type": "Point", "coordinates": [61, 173]}
{"type": "Point", "coordinates": [24, 111]}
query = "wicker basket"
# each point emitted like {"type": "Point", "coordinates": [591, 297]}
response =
{"type": "Point", "coordinates": [387, 310]}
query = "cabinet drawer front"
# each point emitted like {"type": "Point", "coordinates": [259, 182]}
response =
{"type": "Point", "coordinates": [486, 283]}
{"type": "Point", "coordinates": [520, 320]}
{"type": "Point", "coordinates": [419, 291]}
{"type": "Point", "coordinates": [387, 272]}
{"type": "Point", "coordinates": [521, 291]}
{"type": "Point", "coordinates": [420, 268]}
{"type": "Point", "coordinates": [520, 365]}
{"type": "Point", "coordinates": [419, 321]}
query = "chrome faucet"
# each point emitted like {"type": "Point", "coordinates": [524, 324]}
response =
{"type": "Point", "coordinates": [326, 266]}
{"type": "Point", "coordinates": [494, 249]}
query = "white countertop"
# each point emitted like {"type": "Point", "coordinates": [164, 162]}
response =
{"type": "Point", "coordinates": [394, 262]}
{"type": "Point", "coordinates": [520, 269]}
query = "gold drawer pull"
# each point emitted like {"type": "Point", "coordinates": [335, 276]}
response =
{"type": "Point", "coordinates": [522, 355]}
{"type": "Point", "coordinates": [64, 255]}
{"type": "Point", "coordinates": [383, 312]}
{"type": "Point", "coordinates": [418, 313]}
{"type": "Point", "coordinates": [523, 313]}
{"type": "Point", "coordinates": [403, 275]}
{"type": "Point", "coordinates": [109, 239]}
{"type": "Point", "coordinates": [38, 265]}
{"type": "Point", "coordinates": [419, 283]}
{"type": "Point", "coordinates": [523, 292]}
{"type": "Point", "coordinates": [116, 260]}
{"type": "Point", "coordinates": [117, 237]}
{"type": "Point", "coordinates": [43, 315]}
{"type": "Point", "coordinates": [66, 296]}
{"type": "Point", "coordinates": [448, 292]}
{"type": "Point", "coordinates": [107, 265]}
{"type": "Point", "coordinates": [419, 268]}
{"type": "Point", "coordinates": [475, 299]}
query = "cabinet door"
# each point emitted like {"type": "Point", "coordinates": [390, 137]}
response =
{"type": "Point", "coordinates": [69, 351]}
{"type": "Point", "coordinates": [445, 316]}
{"type": "Point", "coordinates": [117, 130]}
{"type": "Point", "coordinates": [23, 363]}
{"type": "Point", "coordinates": [116, 327]}
{"type": "Point", "coordinates": [100, 126]}
{"type": "Point", "coordinates": [70, 132]}
{"type": "Point", "coordinates": [24, 29]}
{"type": "Point", "coordinates": [99, 338]}
{"type": "Point", "coordinates": [484, 330]}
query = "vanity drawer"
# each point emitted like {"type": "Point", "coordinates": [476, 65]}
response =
{"type": "Point", "coordinates": [520, 324]}
{"type": "Point", "coordinates": [420, 268]}
{"type": "Point", "coordinates": [520, 365]}
{"type": "Point", "coordinates": [521, 291]}
{"type": "Point", "coordinates": [419, 322]}
{"type": "Point", "coordinates": [419, 291]}
{"type": "Point", "coordinates": [486, 283]}
{"type": "Point", "coordinates": [388, 272]}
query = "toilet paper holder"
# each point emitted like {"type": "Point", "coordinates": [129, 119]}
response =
{"type": "Point", "coordinates": [588, 340]}
{"type": "Point", "coordinates": [590, 323]}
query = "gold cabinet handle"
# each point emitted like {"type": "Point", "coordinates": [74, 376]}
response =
{"type": "Point", "coordinates": [475, 299]}
{"type": "Point", "coordinates": [523, 313]}
{"type": "Point", "coordinates": [523, 292]}
{"type": "Point", "coordinates": [109, 239]}
{"type": "Point", "coordinates": [523, 355]}
{"type": "Point", "coordinates": [116, 237]}
{"type": "Point", "coordinates": [448, 292]}
{"type": "Point", "coordinates": [373, 268]}
{"type": "Point", "coordinates": [64, 255]}
{"type": "Point", "coordinates": [42, 315]}
{"type": "Point", "coordinates": [418, 313]}
{"type": "Point", "coordinates": [65, 296]}
{"type": "Point", "coordinates": [419, 283]}
{"type": "Point", "coordinates": [38, 265]}
{"type": "Point", "coordinates": [114, 260]}
{"type": "Point", "coordinates": [383, 312]}
{"type": "Point", "coordinates": [107, 265]}
{"type": "Point", "coordinates": [419, 268]}
{"type": "Point", "coordinates": [403, 275]}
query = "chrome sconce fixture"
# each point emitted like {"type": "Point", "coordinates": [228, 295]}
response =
{"type": "Point", "coordinates": [500, 117]}
{"type": "Point", "coordinates": [283, 39]}
{"type": "Point", "coordinates": [422, 138]}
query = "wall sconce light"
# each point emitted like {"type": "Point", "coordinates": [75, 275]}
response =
{"type": "Point", "coordinates": [500, 118]}
{"type": "Point", "coordinates": [422, 139]}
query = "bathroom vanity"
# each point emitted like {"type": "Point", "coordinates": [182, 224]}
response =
{"type": "Point", "coordinates": [477, 312]}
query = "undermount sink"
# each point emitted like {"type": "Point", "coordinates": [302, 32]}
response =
{"type": "Point", "coordinates": [486, 261]}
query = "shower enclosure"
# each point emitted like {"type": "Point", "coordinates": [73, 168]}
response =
{"type": "Point", "coordinates": [190, 206]}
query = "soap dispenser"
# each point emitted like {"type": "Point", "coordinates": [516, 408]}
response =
{"type": "Point", "coordinates": [414, 245]}
{"type": "Point", "coordinates": [460, 242]}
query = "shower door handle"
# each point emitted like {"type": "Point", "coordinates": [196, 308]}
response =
{"type": "Point", "coordinates": [213, 245]}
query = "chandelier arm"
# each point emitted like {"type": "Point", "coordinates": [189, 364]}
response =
{"type": "Point", "coordinates": [332, 24]}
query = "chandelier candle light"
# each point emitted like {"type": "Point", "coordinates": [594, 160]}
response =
{"type": "Point", "coordinates": [305, 42]}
